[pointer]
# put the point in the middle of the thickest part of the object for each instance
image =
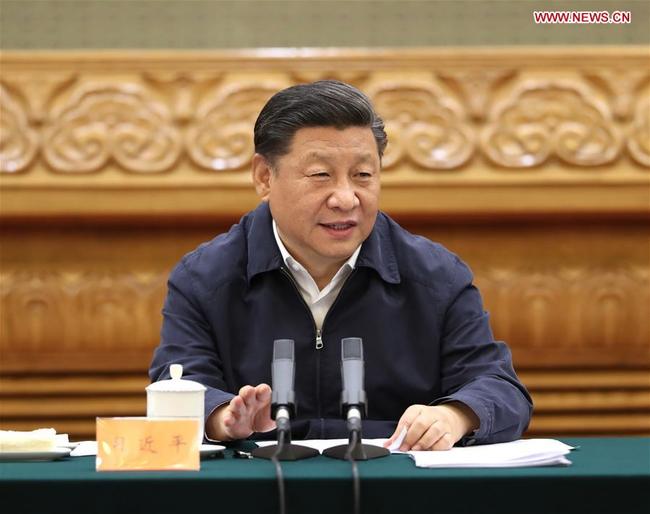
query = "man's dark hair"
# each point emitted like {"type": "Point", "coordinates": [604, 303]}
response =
{"type": "Point", "coordinates": [326, 103]}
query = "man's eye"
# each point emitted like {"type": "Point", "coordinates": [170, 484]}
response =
{"type": "Point", "coordinates": [364, 175]}
{"type": "Point", "coordinates": [320, 174]}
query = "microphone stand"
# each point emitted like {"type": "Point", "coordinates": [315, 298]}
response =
{"type": "Point", "coordinates": [283, 407]}
{"type": "Point", "coordinates": [353, 398]}
{"type": "Point", "coordinates": [284, 450]}
{"type": "Point", "coordinates": [355, 449]}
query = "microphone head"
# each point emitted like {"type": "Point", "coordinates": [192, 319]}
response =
{"type": "Point", "coordinates": [283, 349]}
{"type": "Point", "coordinates": [352, 373]}
{"type": "Point", "coordinates": [282, 376]}
{"type": "Point", "coordinates": [351, 348]}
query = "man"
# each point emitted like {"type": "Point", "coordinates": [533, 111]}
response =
{"type": "Point", "coordinates": [317, 262]}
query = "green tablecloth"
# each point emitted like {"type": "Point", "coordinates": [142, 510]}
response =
{"type": "Point", "coordinates": [608, 475]}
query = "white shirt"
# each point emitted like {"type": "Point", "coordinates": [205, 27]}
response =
{"type": "Point", "coordinates": [318, 301]}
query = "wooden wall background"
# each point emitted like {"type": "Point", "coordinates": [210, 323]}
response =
{"type": "Point", "coordinates": [532, 164]}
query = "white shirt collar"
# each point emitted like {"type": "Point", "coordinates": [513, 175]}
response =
{"type": "Point", "coordinates": [318, 300]}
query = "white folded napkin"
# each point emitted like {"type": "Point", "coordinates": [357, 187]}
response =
{"type": "Point", "coordinates": [42, 439]}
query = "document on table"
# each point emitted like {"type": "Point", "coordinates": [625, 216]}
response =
{"type": "Point", "coordinates": [520, 453]}
{"type": "Point", "coordinates": [516, 454]}
{"type": "Point", "coordinates": [84, 449]}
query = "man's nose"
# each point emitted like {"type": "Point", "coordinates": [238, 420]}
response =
{"type": "Point", "coordinates": [343, 197]}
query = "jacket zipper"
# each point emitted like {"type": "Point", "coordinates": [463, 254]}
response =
{"type": "Point", "coordinates": [319, 346]}
{"type": "Point", "coordinates": [319, 332]}
{"type": "Point", "coordinates": [336, 300]}
{"type": "Point", "coordinates": [319, 340]}
{"type": "Point", "coordinates": [313, 321]}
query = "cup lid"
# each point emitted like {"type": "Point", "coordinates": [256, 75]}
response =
{"type": "Point", "coordinates": [176, 383]}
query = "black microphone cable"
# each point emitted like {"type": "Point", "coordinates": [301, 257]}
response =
{"type": "Point", "coordinates": [282, 374]}
{"type": "Point", "coordinates": [283, 406]}
{"type": "Point", "coordinates": [353, 402]}
{"type": "Point", "coordinates": [354, 396]}
{"type": "Point", "coordinates": [356, 483]}
{"type": "Point", "coordinates": [282, 430]}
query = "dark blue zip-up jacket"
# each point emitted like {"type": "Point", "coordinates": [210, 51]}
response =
{"type": "Point", "coordinates": [426, 337]}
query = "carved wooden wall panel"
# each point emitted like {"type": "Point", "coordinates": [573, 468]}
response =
{"type": "Point", "coordinates": [468, 128]}
{"type": "Point", "coordinates": [533, 165]}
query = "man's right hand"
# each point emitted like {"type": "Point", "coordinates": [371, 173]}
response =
{"type": "Point", "coordinates": [248, 412]}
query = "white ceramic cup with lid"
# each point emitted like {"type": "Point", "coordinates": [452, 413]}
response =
{"type": "Point", "coordinates": [176, 398]}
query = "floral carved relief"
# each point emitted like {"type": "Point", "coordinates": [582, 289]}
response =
{"type": "Point", "coordinates": [638, 142]}
{"type": "Point", "coordinates": [619, 85]}
{"type": "Point", "coordinates": [354, 77]}
{"type": "Point", "coordinates": [221, 135]}
{"type": "Point", "coordinates": [423, 127]}
{"type": "Point", "coordinates": [18, 141]}
{"type": "Point", "coordinates": [38, 90]}
{"type": "Point", "coordinates": [545, 119]}
{"type": "Point", "coordinates": [180, 89]}
{"type": "Point", "coordinates": [476, 87]}
{"type": "Point", "coordinates": [184, 118]}
{"type": "Point", "coordinates": [106, 123]}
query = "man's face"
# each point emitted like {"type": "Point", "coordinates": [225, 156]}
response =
{"type": "Point", "coordinates": [324, 194]}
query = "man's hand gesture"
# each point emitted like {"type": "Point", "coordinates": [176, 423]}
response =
{"type": "Point", "coordinates": [248, 412]}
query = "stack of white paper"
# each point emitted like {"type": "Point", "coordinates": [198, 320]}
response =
{"type": "Point", "coordinates": [516, 454]}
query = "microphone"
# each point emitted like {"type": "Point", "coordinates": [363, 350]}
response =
{"type": "Point", "coordinates": [283, 371]}
{"type": "Point", "coordinates": [353, 404]}
{"type": "Point", "coordinates": [353, 397]}
{"type": "Point", "coordinates": [283, 405]}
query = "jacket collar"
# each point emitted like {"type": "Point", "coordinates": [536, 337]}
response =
{"type": "Point", "coordinates": [377, 250]}
{"type": "Point", "coordinates": [263, 252]}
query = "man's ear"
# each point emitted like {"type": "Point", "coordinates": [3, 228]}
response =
{"type": "Point", "coordinates": [261, 176]}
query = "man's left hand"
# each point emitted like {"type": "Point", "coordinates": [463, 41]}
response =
{"type": "Point", "coordinates": [436, 427]}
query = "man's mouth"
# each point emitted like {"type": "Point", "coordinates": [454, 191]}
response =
{"type": "Point", "coordinates": [339, 226]}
